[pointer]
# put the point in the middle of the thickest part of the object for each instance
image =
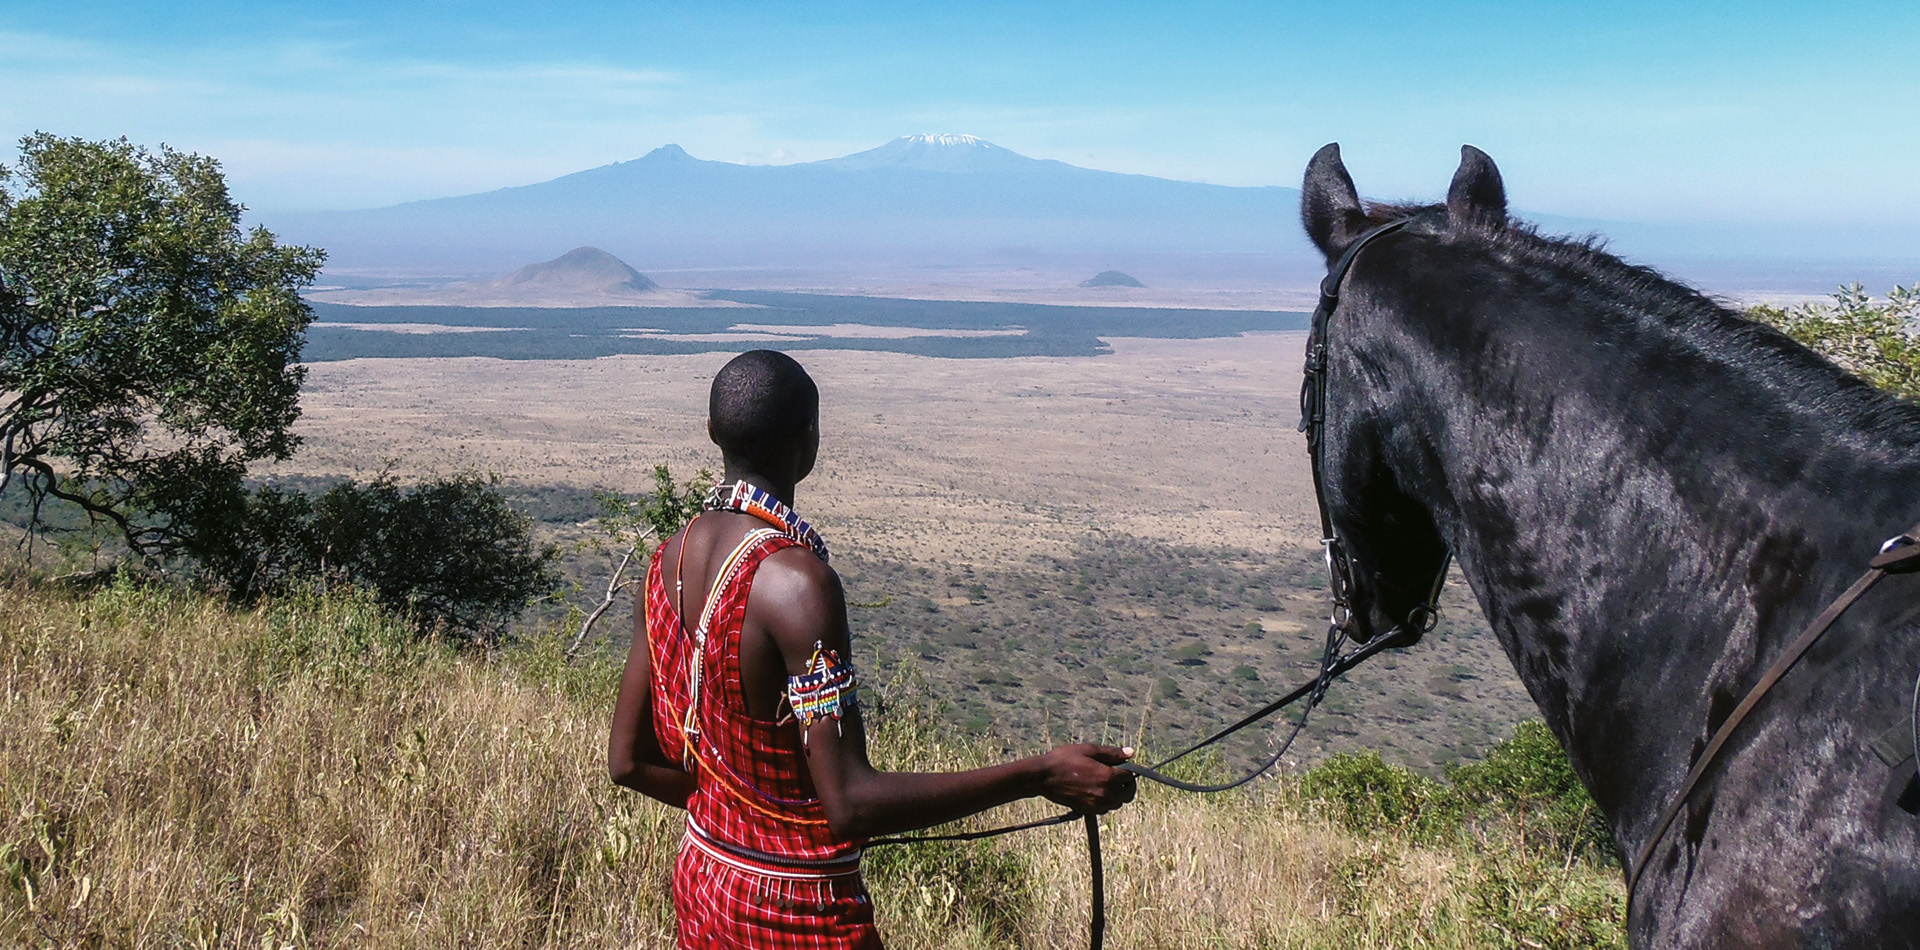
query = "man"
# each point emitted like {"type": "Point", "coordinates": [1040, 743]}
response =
{"type": "Point", "coordinates": [738, 702]}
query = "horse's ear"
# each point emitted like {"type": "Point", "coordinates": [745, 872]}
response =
{"type": "Point", "coordinates": [1329, 204]}
{"type": "Point", "coordinates": [1477, 191]}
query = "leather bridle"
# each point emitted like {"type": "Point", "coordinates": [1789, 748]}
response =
{"type": "Point", "coordinates": [1313, 421]}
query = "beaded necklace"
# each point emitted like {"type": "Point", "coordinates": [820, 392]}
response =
{"type": "Point", "coordinates": [744, 497]}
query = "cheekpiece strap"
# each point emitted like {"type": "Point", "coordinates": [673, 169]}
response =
{"type": "Point", "coordinates": [825, 691]}
{"type": "Point", "coordinates": [746, 498]}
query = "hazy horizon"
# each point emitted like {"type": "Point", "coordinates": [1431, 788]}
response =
{"type": "Point", "coordinates": [1688, 135]}
{"type": "Point", "coordinates": [1638, 112]}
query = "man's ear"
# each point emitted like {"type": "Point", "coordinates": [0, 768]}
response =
{"type": "Point", "coordinates": [710, 436]}
{"type": "Point", "coordinates": [1476, 192]}
{"type": "Point", "coordinates": [1329, 204]}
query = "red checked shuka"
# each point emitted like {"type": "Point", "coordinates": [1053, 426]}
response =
{"type": "Point", "coordinates": [759, 869]}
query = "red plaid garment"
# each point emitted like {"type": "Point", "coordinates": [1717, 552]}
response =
{"type": "Point", "coordinates": [759, 869]}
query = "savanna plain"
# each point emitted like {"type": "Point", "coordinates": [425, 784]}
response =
{"type": "Point", "coordinates": [1119, 548]}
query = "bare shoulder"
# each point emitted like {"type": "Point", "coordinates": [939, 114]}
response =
{"type": "Point", "coordinates": [798, 599]}
{"type": "Point", "coordinates": [794, 573]}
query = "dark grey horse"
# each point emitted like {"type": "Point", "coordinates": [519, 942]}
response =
{"type": "Point", "coordinates": [1649, 495]}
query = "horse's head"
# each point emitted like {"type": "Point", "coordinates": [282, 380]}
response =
{"type": "Point", "coordinates": [1374, 450]}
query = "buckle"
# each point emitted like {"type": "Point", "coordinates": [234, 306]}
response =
{"type": "Point", "coordinates": [1899, 555]}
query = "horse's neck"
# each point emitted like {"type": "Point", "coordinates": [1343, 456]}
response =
{"type": "Point", "coordinates": [1634, 566]}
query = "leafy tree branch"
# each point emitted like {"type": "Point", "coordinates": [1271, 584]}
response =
{"type": "Point", "coordinates": [148, 348]}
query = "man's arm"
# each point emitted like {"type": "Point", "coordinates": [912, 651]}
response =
{"type": "Point", "coordinates": [634, 758]}
{"type": "Point", "coordinates": [798, 602]}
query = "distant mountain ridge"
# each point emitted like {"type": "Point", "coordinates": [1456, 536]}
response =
{"type": "Point", "coordinates": [930, 199]}
{"type": "Point", "coordinates": [937, 152]}
{"type": "Point", "coordinates": [918, 210]}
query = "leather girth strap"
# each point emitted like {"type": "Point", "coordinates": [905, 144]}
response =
{"type": "Point", "coordinates": [1898, 556]}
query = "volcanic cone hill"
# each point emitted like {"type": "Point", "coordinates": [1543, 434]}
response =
{"type": "Point", "coordinates": [1111, 278]}
{"type": "Point", "coordinates": [587, 270]}
{"type": "Point", "coordinates": [582, 277]}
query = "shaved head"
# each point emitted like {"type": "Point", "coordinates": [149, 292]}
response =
{"type": "Point", "coordinates": [761, 402]}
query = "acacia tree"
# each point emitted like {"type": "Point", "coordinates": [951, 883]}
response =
{"type": "Point", "coordinates": [148, 348]}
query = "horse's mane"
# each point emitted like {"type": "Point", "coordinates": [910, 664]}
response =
{"type": "Point", "coordinates": [1676, 311]}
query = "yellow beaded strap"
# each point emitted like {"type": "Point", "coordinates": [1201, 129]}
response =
{"type": "Point", "coordinates": [690, 722]}
{"type": "Point", "coordinates": [696, 671]}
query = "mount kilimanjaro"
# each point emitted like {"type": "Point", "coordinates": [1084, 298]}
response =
{"type": "Point", "coordinates": [918, 201]}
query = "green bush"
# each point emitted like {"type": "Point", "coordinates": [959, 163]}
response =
{"type": "Point", "coordinates": [943, 885]}
{"type": "Point", "coordinates": [1524, 784]}
{"type": "Point", "coordinates": [450, 553]}
{"type": "Point", "coordinates": [343, 637]}
{"type": "Point", "coordinates": [1368, 796]}
{"type": "Point", "coordinates": [1874, 341]}
{"type": "Point", "coordinates": [1534, 903]}
{"type": "Point", "coordinates": [1529, 780]}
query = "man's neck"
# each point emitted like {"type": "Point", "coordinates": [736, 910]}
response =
{"type": "Point", "coordinates": [781, 488]}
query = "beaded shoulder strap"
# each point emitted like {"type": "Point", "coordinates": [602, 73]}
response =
{"type": "Point", "coordinates": [696, 664]}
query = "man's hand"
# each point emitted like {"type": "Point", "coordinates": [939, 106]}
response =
{"type": "Point", "coordinates": [1082, 777]}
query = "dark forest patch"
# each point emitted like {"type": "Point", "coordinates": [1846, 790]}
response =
{"type": "Point", "coordinates": [588, 332]}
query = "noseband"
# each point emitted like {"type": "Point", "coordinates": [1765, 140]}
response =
{"type": "Point", "coordinates": [1313, 421]}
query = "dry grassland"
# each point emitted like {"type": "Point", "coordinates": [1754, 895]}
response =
{"type": "Point", "coordinates": [178, 775]}
{"type": "Point", "coordinates": [951, 461]}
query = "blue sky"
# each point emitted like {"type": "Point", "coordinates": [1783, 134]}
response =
{"type": "Point", "coordinates": [1795, 112]}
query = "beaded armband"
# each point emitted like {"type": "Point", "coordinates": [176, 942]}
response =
{"type": "Point", "coordinates": [825, 690]}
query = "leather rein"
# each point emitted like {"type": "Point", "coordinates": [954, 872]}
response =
{"type": "Point", "coordinates": [1335, 659]}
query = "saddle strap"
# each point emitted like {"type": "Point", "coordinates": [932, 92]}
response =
{"type": "Point", "coordinates": [1901, 555]}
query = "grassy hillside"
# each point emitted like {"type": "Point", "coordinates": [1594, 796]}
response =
{"type": "Point", "coordinates": [173, 773]}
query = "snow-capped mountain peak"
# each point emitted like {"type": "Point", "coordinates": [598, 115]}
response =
{"type": "Point", "coordinates": [943, 138]}
{"type": "Point", "coordinates": [934, 152]}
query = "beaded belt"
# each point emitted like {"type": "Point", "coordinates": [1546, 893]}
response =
{"type": "Point", "coordinates": [771, 865]}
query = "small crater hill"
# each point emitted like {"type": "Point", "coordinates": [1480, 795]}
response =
{"type": "Point", "coordinates": [583, 270]}
{"type": "Point", "coordinates": [582, 277]}
{"type": "Point", "coordinates": [1111, 278]}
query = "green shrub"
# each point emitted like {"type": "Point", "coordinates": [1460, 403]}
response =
{"type": "Point", "coordinates": [450, 552]}
{"type": "Point", "coordinates": [340, 636]}
{"type": "Point", "coordinates": [942, 885]}
{"type": "Point", "coordinates": [1524, 784]}
{"type": "Point", "coordinates": [1874, 341]}
{"type": "Point", "coordinates": [1528, 779]}
{"type": "Point", "coordinates": [1530, 903]}
{"type": "Point", "coordinates": [543, 658]}
{"type": "Point", "coordinates": [1368, 796]}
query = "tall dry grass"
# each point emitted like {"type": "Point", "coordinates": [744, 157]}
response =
{"type": "Point", "coordinates": [177, 774]}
